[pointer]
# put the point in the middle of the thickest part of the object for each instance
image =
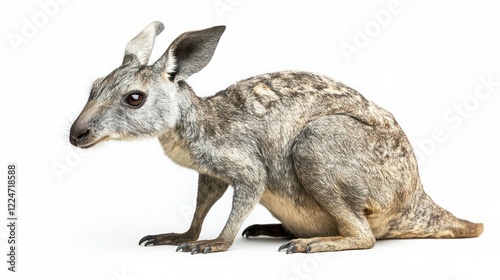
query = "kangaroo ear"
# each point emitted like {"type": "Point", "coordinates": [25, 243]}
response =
{"type": "Point", "coordinates": [189, 53]}
{"type": "Point", "coordinates": [139, 49]}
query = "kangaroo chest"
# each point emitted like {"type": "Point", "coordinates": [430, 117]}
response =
{"type": "Point", "coordinates": [176, 150]}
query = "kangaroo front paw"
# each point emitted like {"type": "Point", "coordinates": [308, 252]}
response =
{"type": "Point", "coordinates": [204, 246]}
{"type": "Point", "coordinates": [296, 246]}
{"type": "Point", "coordinates": [166, 239]}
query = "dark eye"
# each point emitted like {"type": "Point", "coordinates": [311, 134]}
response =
{"type": "Point", "coordinates": [135, 99]}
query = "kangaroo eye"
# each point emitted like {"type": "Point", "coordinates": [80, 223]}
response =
{"type": "Point", "coordinates": [135, 99]}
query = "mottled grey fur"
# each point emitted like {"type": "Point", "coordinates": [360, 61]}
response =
{"type": "Point", "coordinates": [333, 167]}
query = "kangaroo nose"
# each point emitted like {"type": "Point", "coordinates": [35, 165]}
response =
{"type": "Point", "coordinates": [78, 134]}
{"type": "Point", "coordinates": [80, 131]}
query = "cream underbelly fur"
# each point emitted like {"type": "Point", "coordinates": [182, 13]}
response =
{"type": "Point", "coordinates": [314, 221]}
{"type": "Point", "coordinates": [299, 220]}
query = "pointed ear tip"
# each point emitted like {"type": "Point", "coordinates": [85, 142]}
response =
{"type": "Point", "coordinates": [159, 26]}
{"type": "Point", "coordinates": [220, 28]}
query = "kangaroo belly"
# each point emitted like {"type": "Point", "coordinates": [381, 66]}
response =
{"type": "Point", "coordinates": [304, 220]}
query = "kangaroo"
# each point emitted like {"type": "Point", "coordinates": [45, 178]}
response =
{"type": "Point", "coordinates": [333, 167]}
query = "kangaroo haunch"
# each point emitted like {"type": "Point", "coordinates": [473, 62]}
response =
{"type": "Point", "coordinates": [334, 168]}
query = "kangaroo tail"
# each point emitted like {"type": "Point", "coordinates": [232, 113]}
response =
{"type": "Point", "coordinates": [425, 219]}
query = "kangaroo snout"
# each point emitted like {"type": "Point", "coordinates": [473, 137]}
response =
{"type": "Point", "coordinates": [81, 133]}
{"type": "Point", "coordinates": [78, 135]}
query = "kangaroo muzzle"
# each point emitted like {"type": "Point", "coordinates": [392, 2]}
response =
{"type": "Point", "coordinates": [81, 133]}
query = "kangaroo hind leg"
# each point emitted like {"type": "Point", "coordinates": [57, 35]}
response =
{"type": "Point", "coordinates": [323, 158]}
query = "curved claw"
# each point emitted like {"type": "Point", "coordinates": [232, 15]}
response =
{"type": "Point", "coordinates": [182, 247]}
{"type": "Point", "coordinates": [195, 250]}
{"type": "Point", "coordinates": [308, 249]}
{"type": "Point", "coordinates": [290, 249]}
{"type": "Point", "coordinates": [146, 238]}
{"type": "Point", "coordinates": [285, 246]}
{"type": "Point", "coordinates": [207, 250]}
{"type": "Point", "coordinates": [244, 233]}
{"type": "Point", "coordinates": [150, 242]}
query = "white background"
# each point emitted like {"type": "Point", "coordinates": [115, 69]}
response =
{"type": "Point", "coordinates": [81, 214]}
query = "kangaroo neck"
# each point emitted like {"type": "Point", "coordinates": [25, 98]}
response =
{"type": "Point", "coordinates": [191, 113]}
{"type": "Point", "coordinates": [186, 143]}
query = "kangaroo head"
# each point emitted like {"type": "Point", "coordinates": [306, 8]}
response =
{"type": "Point", "coordinates": [140, 100]}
